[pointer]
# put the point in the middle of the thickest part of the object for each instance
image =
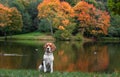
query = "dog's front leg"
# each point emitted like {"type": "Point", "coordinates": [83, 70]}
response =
{"type": "Point", "coordinates": [51, 67]}
{"type": "Point", "coordinates": [44, 66]}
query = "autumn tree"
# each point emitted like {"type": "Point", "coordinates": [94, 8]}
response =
{"type": "Point", "coordinates": [10, 19]}
{"type": "Point", "coordinates": [58, 14]}
{"type": "Point", "coordinates": [90, 19]}
{"type": "Point", "coordinates": [16, 19]}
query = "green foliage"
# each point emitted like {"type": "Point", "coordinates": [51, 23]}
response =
{"type": "Point", "coordinates": [100, 4]}
{"type": "Point", "coordinates": [16, 19]}
{"type": "Point", "coordinates": [27, 22]}
{"type": "Point", "coordinates": [77, 37]}
{"type": "Point", "coordinates": [115, 20]}
{"type": "Point", "coordinates": [44, 26]}
{"type": "Point", "coordinates": [33, 12]}
{"type": "Point", "coordinates": [72, 2]}
{"type": "Point", "coordinates": [18, 5]}
{"type": "Point", "coordinates": [114, 6]}
{"type": "Point", "coordinates": [29, 13]}
{"type": "Point", "coordinates": [94, 2]}
{"type": "Point", "coordinates": [65, 34]}
{"type": "Point", "coordinates": [62, 35]}
{"type": "Point", "coordinates": [114, 29]}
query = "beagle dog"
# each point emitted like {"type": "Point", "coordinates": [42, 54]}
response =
{"type": "Point", "coordinates": [48, 58]}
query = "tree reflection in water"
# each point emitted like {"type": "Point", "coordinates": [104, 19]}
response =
{"type": "Point", "coordinates": [69, 56]}
{"type": "Point", "coordinates": [87, 57]}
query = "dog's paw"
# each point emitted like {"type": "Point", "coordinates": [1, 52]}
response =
{"type": "Point", "coordinates": [45, 70]}
{"type": "Point", "coordinates": [51, 71]}
{"type": "Point", "coordinates": [40, 67]}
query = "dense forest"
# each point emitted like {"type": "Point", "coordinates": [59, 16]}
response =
{"type": "Point", "coordinates": [61, 18]}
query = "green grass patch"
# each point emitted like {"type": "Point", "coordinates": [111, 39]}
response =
{"type": "Point", "coordinates": [30, 36]}
{"type": "Point", "coordinates": [35, 73]}
{"type": "Point", "coordinates": [19, 73]}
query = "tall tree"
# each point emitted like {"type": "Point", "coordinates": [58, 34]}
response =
{"type": "Point", "coordinates": [10, 19]}
{"type": "Point", "coordinates": [16, 19]}
{"type": "Point", "coordinates": [54, 10]}
{"type": "Point", "coordinates": [28, 9]}
{"type": "Point", "coordinates": [91, 19]}
{"type": "Point", "coordinates": [22, 5]}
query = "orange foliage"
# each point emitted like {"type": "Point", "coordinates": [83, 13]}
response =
{"type": "Point", "coordinates": [103, 21]}
{"type": "Point", "coordinates": [89, 16]}
{"type": "Point", "coordinates": [61, 28]}
{"type": "Point", "coordinates": [10, 17]}
{"type": "Point", "coordinates": [4, 16]}
{"type": "Point", "coordinates": [65, 22]}
{"type": "Point", "coordinates": [67, 8]}
{"type": "Point", "coordinates": [56, 11]}
{"type": "Point", "coordinates": [48, 8]}
{"type": "Point", "coordinates": [61, 13]}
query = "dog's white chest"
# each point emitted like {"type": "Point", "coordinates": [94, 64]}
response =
{"type": "Point", "coordinates": [48, 57]}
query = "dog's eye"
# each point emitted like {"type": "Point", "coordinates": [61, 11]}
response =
{"type": "Point", "coordinates": [46, 46]}
{"type": "Point", "coordinates": [50, 45]}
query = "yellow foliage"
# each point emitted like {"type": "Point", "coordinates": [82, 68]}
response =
{"type": "Point", "coordinates": [61, 28]}
{"type": "Point", "coordinates": [65, 22]}
{"type": "Point", "coordinates": [57, 12]}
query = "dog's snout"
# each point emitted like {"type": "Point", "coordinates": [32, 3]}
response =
{"type": "Point", "coordinates": [47, 48]}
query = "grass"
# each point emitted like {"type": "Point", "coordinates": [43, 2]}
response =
{"type": "Point", "coordinates": [30, 36]}
{"type": "Point", "coordinates": [19, 73]}
{"type": "Point", "coordinates": [35, 73]}
{"type": "Point", "coordinates": [109, 39]}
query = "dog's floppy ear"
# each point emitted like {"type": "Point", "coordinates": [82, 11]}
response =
{"type": "Point", "coordinates": [45, 46]}
{"type": "Point", "coordinates": [53, 47]}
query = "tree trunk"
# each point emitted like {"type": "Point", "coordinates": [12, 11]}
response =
{"type": "Point", "coordinates": [51, 28]}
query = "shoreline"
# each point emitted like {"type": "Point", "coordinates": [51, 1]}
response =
{"type": "Point", "coordinates": [46, 37]}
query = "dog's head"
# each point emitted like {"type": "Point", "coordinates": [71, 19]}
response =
{"type": "Point", "coordinates": [49, 47]}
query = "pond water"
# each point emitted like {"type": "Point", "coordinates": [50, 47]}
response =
{"type": "Point", "coordinates": [69, 56]}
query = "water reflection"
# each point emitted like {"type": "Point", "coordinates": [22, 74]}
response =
{"type": "Point", "coordinates": [69, 56]}
{"type": "Point", "coordinates": [17, 56]}
{"type": "Point", "coordinates": [77, 57]}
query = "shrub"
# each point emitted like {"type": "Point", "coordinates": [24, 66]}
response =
{"type": "Point", "coordinates": [78, 37]}
{"type": "Point", "coordinates": [62, 35]}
